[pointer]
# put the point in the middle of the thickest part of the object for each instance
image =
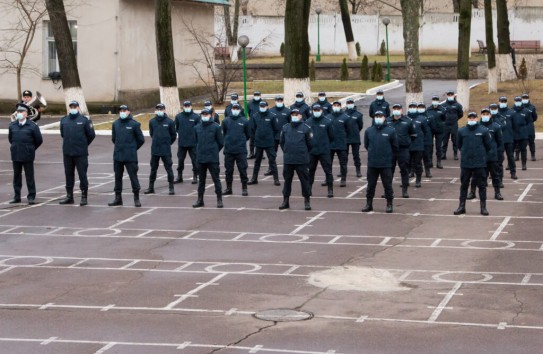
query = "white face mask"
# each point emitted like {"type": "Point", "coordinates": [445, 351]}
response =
{"type": "Point", "coordinates": [235, 112]}
{"type": "Point", "coordinates": [336, 109]}
{"type": "Point", "coordinates": [379, 97]}
{"type": "Point", "coordinates": [322, 99]}
{"type": "Point", "coordinates": [187, 109]}
{"type": "Point", "coordinates": [485, 119]}
{"type": "Point", "coordinates": [233, 101]}
{"type": "Point", "coordinates": [472, 122]}
{"type": "Point", "coordinates": [123, 115]}
{"type": "Point", "coordinates": [379, 121]}
{"type": "Point", "coordinates": [525, 101]}
{"type": "Point", "coordinates": [295, 119]}
{"type": "Point", "coordinates": [208, 107]}
{"type": "Point", "coordinates": [503, 105]}
{"type": "Point", "coordinates": [450, 98]}
{"type": "Point", "coordinates": [256, 98]}
{"type": "Point", "coordinates": [396, 113]}
{"type": "Point", "coordinates": [412, 110]}
{"type": "Point", "coordinates": [299, 99]}
{"type": "Point", "coordinates": [435, 103]}
{"type": "Point", "coordinates": [350, 106]}
{"type": "Point", "coordinates": [317, 114]}
{"type": "Point", "coordinates": [518, 104]}
{"type": "Point", "coordinates": [73, 111]}
{"type": "Point", "coordinates": [279, 104]}
{"type": "Point", "coordinates": [493, 111]}
{"type": "Point", "coordinates": [20, 116]}
{"type": "Point", "coordinates": [160, 113]}
{"type": "Point", "coordinates": [205, 118]}
{"type": "Point", "coordinates": [421, 110]}
{"type": "Point", "coordinates": [263, 109]}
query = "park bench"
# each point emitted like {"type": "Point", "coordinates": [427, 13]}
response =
{"type": "Point", "coordinates": [532, 44]}
{"type": "Point", "coordinates": [222, 52]}
{"type": "Point", "coordinates": [482, 47]}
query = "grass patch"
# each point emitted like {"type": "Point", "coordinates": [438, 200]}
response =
{"type": "Point", "coordinates": [480, 98]}
{"type": "Point", "coordinates": [143, 119]}
{"type": "Point", "coordinates": [276, 86]}
{"type": "Point", "coordinates": [371, 58]}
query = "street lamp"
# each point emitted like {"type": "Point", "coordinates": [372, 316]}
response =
{"type": "Point", "coordinates": [386, 22]}
{"type": "Point", "coordinates": [318, 11]}
{"type": "Point", "coordinates": [243, 41]}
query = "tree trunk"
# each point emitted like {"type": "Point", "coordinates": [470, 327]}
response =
{"type": "Point", "coordinates": [66, 54]}
{"type": "Point", "coordinates": [413, 82]}
{"type": "Point", "coordinates": [490, 49]}
{"type": "Point", "coordinates": [464, 34]}
{"type": "Point", "coordinates": [347, 27]}
{"type": "Point", "coordinates": [169, 94]}
{"type": "Point", "coordinates": [506, 71]}
{"type": "Point", "coordinates": [296, 64]}
{"type": "Point", "coordinates": [19, 85]}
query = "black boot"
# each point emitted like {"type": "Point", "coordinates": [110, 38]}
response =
{"type": "Point", "coordinates": [151, 189]}
{"type": "Point", "coordinates": [524, 165]}
{"type": "Point", "coordinates": [324, 184]}
{"type": "Point", "coordinates": [219, 202]}
{"type": "Point", "coordinates": [276, 181]}
{"type": "Point", "coordinates": [244, 191]}
{"type": "Point", "coordinates": [194, 179]}
{"type": "Point", "coordinates": [15, 200]}
{"type": "Point", "coordinates": [252, 153]}
{"type": "Point", "coordinates": [461, 208]}
{"type": "Point", "coordinates": [456, 155]}
{"type": "Point", "coordinates": [439, 165]}
{"type": "Point", "coordinates": [69, 199]}
{"type": "Point", "coordinates": [517, 155]}
{"type": "Point", "coordinates": [137, 202]}
{"type": "Point", "coordinates": [253, 180]}
{"type": "Point", "coordinates": [514, 175]}
{"type": "Point", "coordinates": [369, 206]}
{"type": "Point", "coordinates": [307, 203]}
{"type": "Point", "coordinates": [404, 192]}
{"type": "Point", "coordinates": [418, 183]}
{"type": "Point", "coordinates": [471, 194]}
{"type": "Point", "coordinates": [285, 204]}
{"type": "Point", "coordinates": [428, 173]}
{"type": "Point", "coordinates": [228, 190]}
{"type": "Point", "coordinates": [343, 182]}
{"type": "Point", "coordinates": [533, 157]}
{"type": "Point", "coordinates": [358, 172]}
{"type": "Point", "coordinates": [178, 179]}
{"type": "Point", "coordinates": [200, 202]}
{"type": "Point", "coordinates": [497, 194]}
{"type": "Point", "coordinates": [483, 208]}
{"type": "Point", "coordinates": [444, 157]}
{"type": "Point", "coordinates": [501, 183]}
{"type": "Point", "coordinates": [268, 173]}
{"type": "Point", "coordinates": [389, 208]}
{"type": "Point", "coordinates": [330, 191]}
{"type": "Point", "coordinates": [411, 174]}
{"type": "Point", "coordinates": [84, 194]}
{"type": "Point", "coordinates": [171, 190]}
{"type": "Point", "coordinates": [117, 201]}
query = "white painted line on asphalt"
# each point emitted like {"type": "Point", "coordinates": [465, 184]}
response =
{"type": "Point", "coordinates": [307, 223]}
{"type": "Point", "coordinates": [105, 348]}
{"type": "Point", "coordinates": [436, 242]}
{"type": "Point", "coordinates": [78, 263]}
{"type": "Point", "coordinates": [49, 340]}
{"type": "Point", "coordinates": [502, 325]}
{"type": "Point", "coordinates": [526, 278]}
{"type": "Point", "coordinates": [190, 235]}
{"type": "Point", "coordinates": [241, 235]}
{"type": "Point", "coordinates": [357, 191]}
{"type": "Point", "coordinates": [385, 241]}
{"type": "Point", "coordinates": [194, 291]}
{"type": "Point", "coordinates": [256, 349]}
{"type": "Point", "coordinates": [128, 265]}
{"type": "Point", "coordinates": [526, 190]}
{"type": "Point", "coordinates": [453, 181]}
{"type": "Point", "coordinates": [7, 269]}
{"type": "Point", "coordinates": [443, 304]}
{"type": "Point", "coordinates": [132, 218]}
{"type": "Point", "coordinates": [500, 228]}
{"type": "Point", "coordinates": [107, 308]}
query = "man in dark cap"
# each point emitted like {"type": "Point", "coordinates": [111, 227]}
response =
{"type": "Point", "coordinates": [214, 115]}
{"type": "Point", "coordinates": [236, 131]}
{"type": "Point", "coordinates": [296, 145]}
{"type": "Point", "coordinates": [497, 119]}
{"type": "Point", "coordinates": [27, 99]}
{"type": "Point", "coordinates": [356, 124]}
{"type": "Point", "coordinates": [253, 107]}
{"type": "Point", "coordinates": [301, 106]}
{"type": "Point", "coordinates": [521, 127]}
{"type": "Point", "coordinates": [323, 134]}
{"type": "Point", "coordinates": [436, 117]}
{"type": "Point", "coordinates": [381, 142]}
{"type": "Point", "coordinates": [210, 142]}
{"type": "Point", "coordinates": [163, 134]}
{"type": "Point", "coordinates": [474, 142]}
{"type": "Point", "coordinates": [234, 99]}
{"type": "Point", "coordinates": [264, 128]}
{"type": "Point", "coordinates": [531, 127]}
{"type": "Point", "coordinates": [416, 149]}
{"type": "Point", "coordinates": [506, 117]}
{"type": "Point", "coordinates": [127, 138]}
{"type": "Point", "coordinates": [282, 116]}
{"type": "Point", "coordinates": [326, 107]}
{"type": "Point", "coordinates": [342, 129]}
{"type": "Point", "coordinates": [25, 138]}
{"type": "Point", "coordinates": [185, 124]}
{"type": "Point", "coordinates": [453, 112]}
{"type": "Point", "coordinates": [380, 105]}
{"type": "Point", "coordinates": [77, 134]}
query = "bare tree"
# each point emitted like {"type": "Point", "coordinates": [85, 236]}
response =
{"type": "Point", "coordinates": [506, 71]}
{"type": "Point", "coordinates": [231, 25]}
{"type": "Point", "coordinates": [413, 81]}
{"type": "Point", "coordinates": [464, 33]}
{"type": "Point", "coordinates": [296, 64]}
{"type": "Point", "coordinates": [348, 29]}
{"type": "Point", "coordinates": [169, 93]}
{"type": "Point", "coordinates": [66, 55]}
{"type": "Point", "coordinates": [355, 5]}
{"type": "Point", "coordinates": [490, 49]}
{"type": "Point", "coordinates": [19, 36]}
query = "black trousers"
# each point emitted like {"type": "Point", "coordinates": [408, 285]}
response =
{"type": "Point", "coordinates": [438, 138]}
{"type": "Point", "coordinates": [326, 164]}
{"type": "Point", "coordinates": [71, 163]}
{"type": "Point", "coordinates": [501, 158]}
{"type": "Point", "coordinates": [214, 171]}
{"type": "Point", "coordinates": [276, 145]}
{"type": "Point", "coordinates": [182, 154]}
{"type": "Point", "coordinates": [531, 143]}
{"type": "Point", "coordinates": [230, 160]}
{"type": "Point", "coordinates": [251, 145]}
{"type": "Point", "coordinates": [402, 158]}
{"type": "Point", "coordinates": [166, 161]}
{"type": "Point", "coordinates": [492, 169]}
{"type": "Point", "coordinates": [509, 149]}
{"type": "Point", "coordinates": [372, 175]}
{"type": "Point", "coordinates": [303, 174]}
{"type": "Point", "coordinates": [416, 162]}
{"type": "Point", "coordinates": [18, 179]}
{"type": "Point", "coordinates": [521, 145]}
{"type": "Point", "coordinates": [342, 156]}
{"type": "Point", "coordinates": [131, 169]}
{"type": "Point", "coordinates": [427, 155]}
{"type": "Point", "coordinates": [479, 177]}
{"type": "Point", "coordinates": [449, 132]}
{"type": "Point", "coordinates": [259, 153]}
{"type": "Point", "coordinates": [355, 150]}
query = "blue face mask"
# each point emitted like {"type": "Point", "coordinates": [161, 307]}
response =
{"type": "Point", "coordinates": [396, 113]}
{"type": "Point", "coordinates": [435, 103]}
{"type": "Point", "coordinates": [233, 101]}
{"type": "Point", "coordinates": [295, 119]}
{"type": "Point", "coordinates": [299, 99]}
{"type": "Point", "coordinates": [379, 121]}
{"type": "Point", "coordinates": [73, 111]}
{"type": "Point", "coordinates": [123, 115]}
{"type": "Point", "coordinates": [317, 114]}
{"type": "Point", "coordinates": [279, 104]}
{"type": "Point", "coordinates": [336, 109]}
{"type": "Point", "coordinates": [20, 116]}
{"type": "Point", "coordinates": [206, 118]}
{"type": "Point", "coordinates": [472, 122]}
{"type": "Point", "coordinates": [208, 107]}
{"type": "Point", "coordinates": [503, 105]}
{"type": "Point", "coordinates": [493, 111]}
{"type": "Point", "coordinates": [350, 106]}
{"type": "Point", "coordinates": [412, 110]}
{"type": "Point", "coordinates": [525, 101]}
{"type": "Point", "coordinates": [450, 98]}
{"type": "Point", "coordinates": [257, 98]}
{"type": "Point", "coordinates": [421, 110]}
{"type": "Point", "coordinates": [379, 97]}
{"type": "Point", "coordinates": [235, 112]}
{"type": "Point", "coordinates": [263, 109]}
{"type": "Point", "coordinates": [187, 109]}
{"type": "Point", "coordinates": [485, 119]}
{"type": "Point", "coordinates": [322, 99]}
{"type": "Point", "coordinates": [160, 113]}
{"type": "Point", "coordinates": [518, 104]}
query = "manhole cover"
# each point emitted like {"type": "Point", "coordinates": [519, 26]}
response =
{"type": "Point", "coordinates": [283, 315]}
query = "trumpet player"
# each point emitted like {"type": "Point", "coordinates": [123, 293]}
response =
{"type": "Point", "coordinates": [28, 99]}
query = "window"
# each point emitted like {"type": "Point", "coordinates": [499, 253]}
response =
{"type": "Point", "coordinates": [50, 49]}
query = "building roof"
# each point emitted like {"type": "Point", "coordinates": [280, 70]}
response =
{"type": "Point", "coordinates": [214, 2]}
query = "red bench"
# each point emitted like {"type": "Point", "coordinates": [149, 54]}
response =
{"type": "Point", "coordinates": [526, 45]}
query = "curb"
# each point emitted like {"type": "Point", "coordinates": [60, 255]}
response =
{"type": "Point", "coordinates": [389, 86]}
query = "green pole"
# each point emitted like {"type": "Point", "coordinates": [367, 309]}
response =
{"type": "Point", "coordinates": [388, 58]}
{"type": "Point", "coordinates": [318, 37]}
{"type": "Point", "coordinates": [244, 82]}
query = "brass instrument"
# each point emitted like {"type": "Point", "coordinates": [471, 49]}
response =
{"type": "Point", "coordinates": [36, 104]}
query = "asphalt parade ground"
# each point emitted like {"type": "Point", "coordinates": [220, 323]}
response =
{"type": "Point", "coordinates": [167, 278]}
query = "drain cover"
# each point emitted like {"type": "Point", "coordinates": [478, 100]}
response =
{"type": "Point", "coordinates": [283, 315]}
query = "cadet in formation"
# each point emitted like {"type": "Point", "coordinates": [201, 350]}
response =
{"type": "Point", "coordinates": [185, 124]}
{"type": "Point", "coordinates": [453, 113]}
{"type": "Point", "coordinates": [436, 115]}
{"type": "Point", "coordinates": [355, 123]}
{"type": "Point", "coordinates": [323, 134]}
{"type": "Point", "coordinates": [416, 149]}
{"type": "Point", "coordinates": [380, 105]}
{"type": "Point", "coordinates": [342, 129]}
{"type": "Point", "coordinates": [406, 133]}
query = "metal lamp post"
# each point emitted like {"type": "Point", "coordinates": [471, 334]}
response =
{"type": "Point", "coordinates": [386, 22]}
{"type": "Point", "coordinates": [318, 11]}
{"type": "Point", "coordinates": [243, 41]}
